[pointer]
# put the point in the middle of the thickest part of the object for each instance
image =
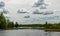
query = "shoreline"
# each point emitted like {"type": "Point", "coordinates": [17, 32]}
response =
{"type": "Point", "coordinates": [47, 30]}
{"type": "Point", "coordinates": [52, 30]}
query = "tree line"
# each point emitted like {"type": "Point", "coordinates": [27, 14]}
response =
{"type": "Point", "coordinates": [7, 24]}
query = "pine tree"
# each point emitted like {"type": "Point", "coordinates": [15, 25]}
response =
{"type": "Point", "coordinates": [3, 21]}
{"type": "Point", "coordinates": [16, 25]}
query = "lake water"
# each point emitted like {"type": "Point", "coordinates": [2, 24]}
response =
{"type": "Point", "coordinates": [27, 32]}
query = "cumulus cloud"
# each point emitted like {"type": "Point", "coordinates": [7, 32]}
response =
{"type": "Point", "coordinates": [39, 3]}
{"type": "Point", "coordinates": [7, 17]}
{"type": "Point", "coordinates": [5, 11]}
{"type": "Point", "coordinates": [37, 12]}
{"type": "Point", "coordinates": [21, 12]}
{"type": "Point", "coordinates": [43, 7]}
{"type": "Point", "coordinates": [27, 16]}
{"type": "Point", "coordinates": [40, 0]}
{"type": "Point", "coordinates": [43, 12]}
{"type": "Point", "coordinates": [48, 13]}
{"type": "Point", "coordinates": [2, 4]}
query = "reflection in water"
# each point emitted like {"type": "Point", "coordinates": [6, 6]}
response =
{"type": "Point", "coordinates": [27, 32]}
{"type": "Point", "coordinates": [48, 34]}
{"type": "Point", "coordinates": [52, 33]}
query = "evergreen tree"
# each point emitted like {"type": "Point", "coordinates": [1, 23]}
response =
{"type": "Point", "coordinates": [3, 21]}
{"type": "Point", "coordinates": [46, 23]}
{"type": "Point", "coordinates": [16, 25]}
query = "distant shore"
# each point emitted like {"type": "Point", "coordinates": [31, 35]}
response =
{"type": "Point", "coordinates": [40, 28]}
{"type": "Point", "coordinates": [37, 28]}
{"type": "Point", "coordinates": [48, 30]}
{"type": "Point", "coordinates": [52, 30]}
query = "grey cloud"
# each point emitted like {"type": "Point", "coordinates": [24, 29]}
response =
{"type": "Point", "coordinates": [40, 0]}
{"type": "Point", "coordinates": [42, 7]}
{"type": "Point", "coordinates": [37, 12]}
{"type": "Point", "coordinates": [39, 3]}
{"type": "Point", "coordinates": [48, 13]}
{"type": "Point", "coordinates": [7, 17]}
{"type": "Point", "coordinates": [21, 12]}
{"type": "Point", "coordinates": [5, 11]}
{"type": "Point", "coordinates": [43, 13]}
{"type": "Point", "coordinates": [2, 4]}
{"type": "Point", "coordinates": [27, 16]}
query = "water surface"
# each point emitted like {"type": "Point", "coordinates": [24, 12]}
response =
{"type": "Point", "coordinates": [27, 32]}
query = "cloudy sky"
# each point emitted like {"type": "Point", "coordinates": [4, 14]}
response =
{"type": "Point", "coordinates": [32, 11]}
